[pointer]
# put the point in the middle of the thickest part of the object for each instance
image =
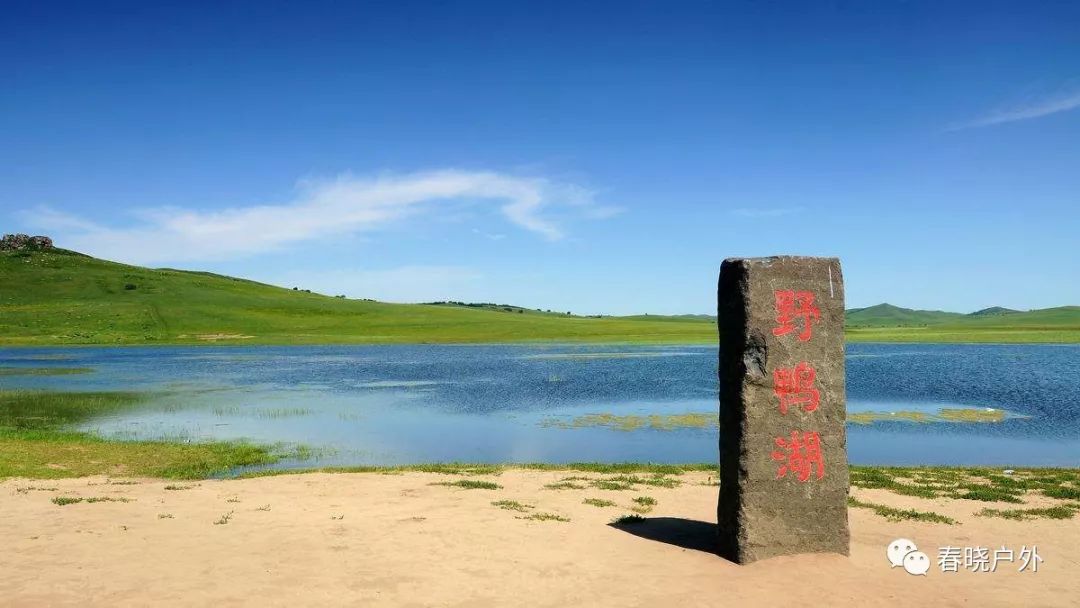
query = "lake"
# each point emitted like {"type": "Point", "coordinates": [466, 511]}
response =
{"type": "Point", "coordinates": [907, 403]}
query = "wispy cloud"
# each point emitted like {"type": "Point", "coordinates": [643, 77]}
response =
{"type": "Point", "coordinates": [1031, 108]}
{"type": "Point", "coordinates": [401, 284]}
{"type": "Point", "coordinates": [322, 208]}
{"type": "Point", "coordinates": [767, 212]}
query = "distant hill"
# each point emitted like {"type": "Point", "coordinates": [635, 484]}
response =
{"type": "Point", "coordinates": [993, 311]}
{"type": "Point", "coordinates": [887, 315]}
{"type": "Point", "coordinates": [62, 297]}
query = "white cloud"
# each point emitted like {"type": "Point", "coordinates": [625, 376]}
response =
{"type": "Point", "coordinates": [322, 208]}
{"type": "Point", "coordinates": [1035, 108]}
{"type": "Point", "coordinates": [402, 284]}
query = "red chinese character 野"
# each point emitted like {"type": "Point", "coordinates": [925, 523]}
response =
{"type": "Point", "coordinates": [792, 305]}
{"type": "Point", "coordinates": [795, 386]}
{"type": "Point", "coordinates": [799, 455]}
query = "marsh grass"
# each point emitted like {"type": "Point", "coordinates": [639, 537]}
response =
{"type": "Point", "coordinates": [224, 519]}
{"type": "Point", "coordinates": [34, 442]}
{"type": "Point", "coordinates": [172, 487]}
{"type": "Point", "coordinates": [599, 502]}
{"type": "Point", "coordinates": [627, 520]}
{"type": "Point", "coordinates": [468, 484]}
{"type": "Point", "coordinates": [165, 516]}
{"type": "Point", "coordinates": [513, 505]}
{"type": "Point", "coordinates": [31, 410]}
{"type": "Point", "coordinates": [263, 508]}
{"type": "Point", "coordinates": [893, 514]}
{"type": "Point", "coordinates": [274, 413]}
{"type": "Point", "coordinates": [645, 501]}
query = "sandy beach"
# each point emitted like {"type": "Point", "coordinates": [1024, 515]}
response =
{"type": "Point", "coordinates": [376, 539]}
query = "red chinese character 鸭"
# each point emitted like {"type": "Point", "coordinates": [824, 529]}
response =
{"type": "Point", "coordinates": [795, 386]}
{"type": "Point", "coordinates": [792, 305]}
{"type": "Point", "coordinates": [799, 456]}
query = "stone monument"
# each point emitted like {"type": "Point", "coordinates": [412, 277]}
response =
{"type": "Point", "coordinates": [783, 448]}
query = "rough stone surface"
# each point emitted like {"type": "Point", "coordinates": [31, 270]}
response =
{"type": "Point", "coordinates": [22, 242]}
{"type": "Point", "coordinates": [771, 504]}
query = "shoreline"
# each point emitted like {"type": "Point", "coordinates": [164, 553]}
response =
{"type": "Point", "coordinates": [515, 537]}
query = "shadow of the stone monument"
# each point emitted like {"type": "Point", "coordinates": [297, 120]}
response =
{"type": "Point", "coordinates": [685, 533]}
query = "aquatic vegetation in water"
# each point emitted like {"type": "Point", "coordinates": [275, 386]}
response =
{"type": "Point", "coordinates": [586, 356]}
{"type": "Point", "coordinates": [264, 413]}
{"type": "Point", "coordinates": [631, 422]}
{"type": "Point", "coordinates": [44, 371]}
{"type": "Point", "coordinates": [969, 415]}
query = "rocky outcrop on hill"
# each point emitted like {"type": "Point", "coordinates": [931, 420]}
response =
{"type": "Point", "coordinates": [24, 242]}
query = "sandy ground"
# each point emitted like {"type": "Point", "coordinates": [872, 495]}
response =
{"type": "Point", "coordinates": [395, 540]}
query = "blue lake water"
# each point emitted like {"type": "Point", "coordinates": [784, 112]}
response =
{"type": "Point", "coordinates": [499, 403]}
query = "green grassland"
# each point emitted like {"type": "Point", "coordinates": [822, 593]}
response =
{"type": "Point", "coordinates": [35, 442]}
{"type": "Point", "coordinates": [60, 297]}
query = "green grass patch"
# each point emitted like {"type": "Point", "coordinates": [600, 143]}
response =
{"type": "Point", "coordinates": [599, 502]}
{"type": "Point", "coordinates": [513, 505]}
{"type": "Point", "coordinates": [469, 484]}
{"type": "Point", "coordinates": [544, 517]}
{"type": "Point", "coordinates": [989, 493]}
{"type": "Point", "coordinates": [66, 500]}
{"type": "Point", "coordinates": [564, 485]}
{"type": "Point", "coordinates": [1062, 492]}
{"type": "Point", "coordinates": [893, 514]}
{"type": "Point", "coordinates": [1056, 512]}
{"type": "Point", "coordinates": [627, 520]}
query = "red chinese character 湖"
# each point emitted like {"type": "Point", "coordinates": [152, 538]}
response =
{"type": "Point", "coordinates": [792, 305]}
{"type": "Point", "coordinates": [799, 456]}
{"type": "Point", "coordinates": [795, 386]}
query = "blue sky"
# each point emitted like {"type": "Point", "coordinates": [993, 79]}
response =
{"type": "Point", "coordinates": [593, 157]}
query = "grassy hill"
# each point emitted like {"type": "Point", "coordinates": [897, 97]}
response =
{"type": "Point", "coordinates": [62, 297]}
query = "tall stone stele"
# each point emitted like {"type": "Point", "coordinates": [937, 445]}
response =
{"type": "Point", "coordinates": [783, 449]}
